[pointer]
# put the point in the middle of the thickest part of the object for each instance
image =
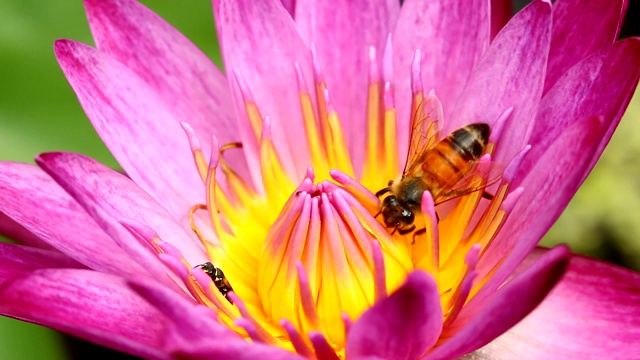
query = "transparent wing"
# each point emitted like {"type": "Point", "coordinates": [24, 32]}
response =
{"type": "Point", "coordinates": [478, 178]}
{"type": "Point", "coordinates": [426, 123]}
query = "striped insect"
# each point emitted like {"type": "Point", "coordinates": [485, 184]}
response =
{"type": "Point", "coordinates": [447, 168]}
{"type": "Point", "coordinates": [218, 278]}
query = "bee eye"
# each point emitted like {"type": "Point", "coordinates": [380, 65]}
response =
{"type": "Point", "coordinates": [390, 201]}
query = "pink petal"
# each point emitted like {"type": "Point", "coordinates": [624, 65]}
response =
{"type": "Point", "coordinates": [33, 200]}
{"type": "Point", "coordinates": [94, 306]}
{"type": "Point", "coordinates": [593, 313]}
{"type": "Point", "coordinates": [183, 77]}
{"type": "Point", "coordinates": [290, 5]}
{"type": "Point", "coordinates": [14, 231]}
{"type": "Point", "coordinates": [596, 23]}
{"type": "Point", "coordinates": [452, 36]}
{"type": "Point", "coordinates": [548, 187]}
{"type": "Point", "coordinates": [506, 307]}
{"type": "Point", "coordinates": [136, 124]}
{"type": "Point", "coordinates": [18, 260]}
{"type": "Point", "coordinates": [237, 350]}
{"type": "Point", "coordinates": [511, 73]}
{"type": "Point", "coordinates": [600, 85]}
{"type": "Point", "coordinates": [195, 332]}
{"type": "Point", "coordinates": [259, 40]}
{"type": "Point", "coordinates": [342, 32]}
{"type": "Point", "coordinates": [110, 197]}
{"type": "Point", "coordinates": [407, 323]}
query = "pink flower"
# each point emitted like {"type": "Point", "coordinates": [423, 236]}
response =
{"type": "Point", "coordinates": [313, 116]}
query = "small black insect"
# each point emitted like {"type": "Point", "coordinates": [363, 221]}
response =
{"type": "Point", "coordinates": [218, 278]}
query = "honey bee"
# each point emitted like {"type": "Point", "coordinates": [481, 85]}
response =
{"type": "Point", "coordinates": [445, 168]}
{"type": "Point", "coordinates": [218, 278]}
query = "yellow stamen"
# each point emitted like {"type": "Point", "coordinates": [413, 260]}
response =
{"type": "Point", "coordinates": [276, 181]}
{"type": "Point", "coordinates": [390, 136]}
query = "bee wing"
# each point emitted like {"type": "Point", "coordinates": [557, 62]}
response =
{"type": "Point", "coordinates": [426, 123]}
{"type": "Point", "coordinates": [478, 178]}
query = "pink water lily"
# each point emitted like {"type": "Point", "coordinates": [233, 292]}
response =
{"type": "Point", "coordinates": [269, 173]}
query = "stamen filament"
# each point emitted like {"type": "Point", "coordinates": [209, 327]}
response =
{"type": "Point", "coordinates": [387, 61]}
{"type": "Point", "coordinates": [357, 190]}
{"type": "Point", "coordinates": [196, 150]}
{"type": "Point", "coordinates": [375, 126]}
{"type": "Point", "coordinates": [337, 147]}
{"type": "Point", "coordinates": [323, 115]}
{"type": "Point", "coordinates": [379, 278]}
{"type": "Point", "coordinates": [390, 133]}
{"type": "Point", "coordinates": [277, 183]}
{"type": "Point", "coordinates": [253, 328]}
{"type": "Point", "coordinates": [194, 227]}
{"type": "Point", "coordinates": [211, 187]}
{"type": "Point", "coordinates": [347, 324]}
{"type": "Point", "coordinates": [324, 351]}
{"type": "Point", "coordinates": [253, 114]}
{"type": "Point", "coordinates": [426, 250]}
{"type": "Point", "coordinates": [307, 299]}
{"type": "Point", "coordinates": [296, 339]}
{"type": "Point", "coordinates": [461, 294]}
{"type": "Point", "coordinates": [244, 194]}
{"type": "Point", "coordinates": [498, 126]}
{"type": "Point", "coordinates": [316, 149]}
{"type": "Point", "coordinates": [416, 84]}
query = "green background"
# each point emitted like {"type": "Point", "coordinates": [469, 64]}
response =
{"type": "Point", "coordinates": [39, 112]}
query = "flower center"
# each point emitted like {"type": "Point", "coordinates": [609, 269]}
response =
{"type": "Point", "coordinates": [301, 262]}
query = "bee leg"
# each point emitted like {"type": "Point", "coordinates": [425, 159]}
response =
{"type": "Point", "coordinates": [487, 196]}
{"type": "Point", "coordinates": [394, 230]}
{"type": "Point", "coordinates": [378, 214]}
{"type": "Point", "coordinates": [383, 191]}
{"type": "Point", "coordinates": [418, 232]}
{"type": "Point", "coordinates": [407, 230]}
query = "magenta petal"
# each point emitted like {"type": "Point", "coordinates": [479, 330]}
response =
{"type": "Point", "coordinates": [237, 350]}
{"type": "Point", "coordinates": [194, 326]}
{"type": "Point", "coordinates": [452, 36]}
{"type": "Point", "coordinates": [168, 62]}
{"type": "Point", "coordinates": [548, 187]}
{"type": "Point", "coordinates": [134, 122]}
{"type": "Point", "coordinates": [14, 231]}
{"type": "Point", "coordinates": [481, 323]}
{"type": "Point", "coordinates": [195, 332]}
{"type": "Point", "coordinates": [94, 306]}
{"type": "Point", "coordinates": [595, 23]}
{"type": "Point", "coordinates": [600, 85]}
{"type": "Point", "coordinates": [195, 321]}
{"type": "Point", "coordinates": [109, 197]}
{"type": "Point", "coordinates": [33, 200]}
{"type": "Point", "coordinates": [510, 74]}
{"type": "Point", "coordinates": [17, 260]}
{"type": "Point", "coordinates": [593, 313]}
{"type": "Point", "coordinates": [343, 31]}
{"type": "Point", "coordinates": [290, 5]}
{"type": "Point", "coordinates": [407, 323]}
{"type": "Point", "coordinates": [268, 66]}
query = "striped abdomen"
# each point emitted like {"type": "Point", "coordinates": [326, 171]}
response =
{"type": "Point", "coordinates": [451, 158]}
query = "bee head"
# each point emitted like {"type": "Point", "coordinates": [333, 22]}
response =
{"type": "Point", "coordinates": [394, 214]}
